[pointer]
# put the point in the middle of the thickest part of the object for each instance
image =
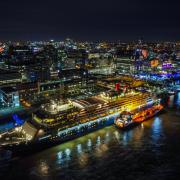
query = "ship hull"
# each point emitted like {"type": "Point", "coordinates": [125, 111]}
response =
{"type": "Point", "coordinates": [35, 146]}
{"type": "Point", "coordinates": [129, 126]}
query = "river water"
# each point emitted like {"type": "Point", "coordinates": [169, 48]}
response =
{"type": "Point", "coordinates": [148, 151]}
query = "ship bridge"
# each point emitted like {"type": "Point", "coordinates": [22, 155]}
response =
{"type": "Point", "coordinates": [55, 107]}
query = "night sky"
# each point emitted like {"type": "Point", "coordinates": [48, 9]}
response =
{"type": "Point", "coordinates": [90, 19]}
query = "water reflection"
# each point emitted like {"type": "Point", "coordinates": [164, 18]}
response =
{"type": "Point", "coordinates": [98, 141]}
{"type": "Point", "coordinates": [79, 148]}
{"type": "Point", "coordinates": [89, 144]}
{"type": "Point", "coordinates": [138, 134]}
{"type": "Point", "coordinates": [42, 169]}
{"type": "Point", "coordinates": [156, 129]}
{"type": "Point", "coordinates": [117, 136]}
{"type": "Point", "coordinates": [127, 136]}
{"type": "Point", "coordinates": [95, 144]}
{"type": "Point", "coordinates": [83, 159]}
{"type": "Point", "coordinates": [60, 157]}
{"type": "Point", "coordinates": [68, 153]}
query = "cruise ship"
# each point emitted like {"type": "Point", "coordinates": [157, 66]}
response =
{"type": "Point", "coordinates": [127, 119]}
{"type": "Point", "coordinates": [63, 120]}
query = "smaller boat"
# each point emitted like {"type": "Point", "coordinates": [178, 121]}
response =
{"type": "Point", "coordinates": [125, 120]}
{"type": "Point", "coordinates": [128, 119]}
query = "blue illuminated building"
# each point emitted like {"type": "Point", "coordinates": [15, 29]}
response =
{"type": "Point", "coordinates": [17, 120]}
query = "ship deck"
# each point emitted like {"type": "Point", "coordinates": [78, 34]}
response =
{"type": "Point", "coordinates": [98, 111]}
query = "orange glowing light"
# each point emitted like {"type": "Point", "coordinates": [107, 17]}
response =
{"type": "Point", "coordinates": [145, 53]}
{"type": "Point", "coordinates": [1, 49]}
{"type": "Point", "coordinates": [154, 63]}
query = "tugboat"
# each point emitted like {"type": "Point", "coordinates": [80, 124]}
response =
{"type": "Point", "coordinates": [125, 120]}
{"type": "Point", "coordinates": [128, 119]}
